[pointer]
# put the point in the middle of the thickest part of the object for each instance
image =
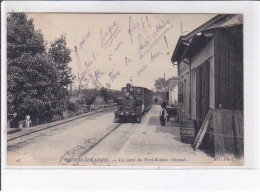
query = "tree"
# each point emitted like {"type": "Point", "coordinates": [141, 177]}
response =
{"type": "Point", "coordinates": [27, 66]}
{"type": "Point", "coordinates": [22, 37]}
{"type": "Point", "coordinates": [90, 95]}
{"type": "Point", "coordinates": [114, 95]}
{"type": "Point", "coordinates": [34, 80]}
{"type": "Point", "coordinates": [61, 56]}
{"type": "Point", "coordinates": [104, 93]}
{"type": "Point", "coordinates": [160, 84]}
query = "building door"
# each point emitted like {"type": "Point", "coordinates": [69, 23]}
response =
{"type": "Point", "coordinates": [202, 93]}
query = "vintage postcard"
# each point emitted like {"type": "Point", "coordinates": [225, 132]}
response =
{"type": "Point", "coordinates": [103, 89]}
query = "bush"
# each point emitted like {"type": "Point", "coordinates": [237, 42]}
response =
{"type": "Point", "coordinates": [73, 107]}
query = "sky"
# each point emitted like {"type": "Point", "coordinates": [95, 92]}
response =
{"type": "Point", "coordinates": [111, 50]}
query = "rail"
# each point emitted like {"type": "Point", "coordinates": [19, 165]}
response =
{"type": "Point", "coordinates": [28, 131]}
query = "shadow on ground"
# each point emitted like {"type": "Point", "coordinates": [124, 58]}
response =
{"type": "Point", "coordinates": [171, 127]}
{"type": "Point", "coordinates": [155, 121]}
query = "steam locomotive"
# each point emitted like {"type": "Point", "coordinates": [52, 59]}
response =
{"type": "Point", "coordinates": [133, 104]}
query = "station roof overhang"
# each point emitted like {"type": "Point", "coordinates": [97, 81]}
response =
{"type": "Point", "coordinates": [188, 48]}
{"type": "Point", "coordinates": [179, 50]}
{"type": "Point", "coordinates": [190, 43]}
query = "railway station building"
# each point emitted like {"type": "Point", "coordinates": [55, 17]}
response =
{"type": "Point", "coordinates": [210, 82]}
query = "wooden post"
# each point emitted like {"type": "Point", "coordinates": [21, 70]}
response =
{"type": "Point", "coordinates": [203, 130]}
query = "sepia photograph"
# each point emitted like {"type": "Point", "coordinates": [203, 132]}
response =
{"type": "Point", "coordinates": [124, 89]}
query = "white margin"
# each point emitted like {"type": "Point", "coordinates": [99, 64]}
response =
{"type": "Point", "coordinates": [35, 178]}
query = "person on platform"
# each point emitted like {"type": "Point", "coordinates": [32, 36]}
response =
{"type": "Point", "coordinates": [164, 104]}
{"type": "Point", "coordinates": [156, 100]}
{"type": "Point", "coordinates": [163, 115]}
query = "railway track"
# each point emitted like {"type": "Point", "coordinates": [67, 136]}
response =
{"type": "Point", "coordinates": [26, 133]}
{"type": "Point", "coordinates": [99, 140]}
{"type": "Point", "coordinates": [78, 149]}
{"type": "Point", "coordinates": [124, 138]}
{"type": "Point", "coordinates": [80, 152]}
{"type": "Point", "coordinates": [22, 139]}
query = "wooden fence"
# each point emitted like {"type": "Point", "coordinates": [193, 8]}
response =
{"type": "Point", "coordinates": [225, 134]}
